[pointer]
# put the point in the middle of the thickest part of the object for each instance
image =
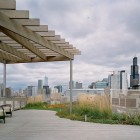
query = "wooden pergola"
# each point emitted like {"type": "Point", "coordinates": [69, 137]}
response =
{"type": "Point", "coordinates": [24, 40]}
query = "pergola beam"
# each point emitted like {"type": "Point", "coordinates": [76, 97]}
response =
{"type": "Point", "coordinates": [8, 4]}
{"type": "Point", "coordinates": [13, 51]}
{"type": "Point", "coordinates": [49, 59]}
{"type": "Point", "coordinates": [5, 22]}
{"type": "Point", "coordinates": [40, 28]}
{"type": "Point", "coordinates": [54, 38]}
{"type": "Point", "coordinates": [28, 22]}
{"type": "Point", "coordinates": [16, 14]}
{"type": "Point", "coordinates": [25, 42]}
{"type": "Point", "coordinates": [8, 57]}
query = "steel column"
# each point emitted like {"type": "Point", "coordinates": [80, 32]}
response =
{"type": "Point", "coordinates": [71, 87]}
{"type": "Point", "coordinates": [4, 81]}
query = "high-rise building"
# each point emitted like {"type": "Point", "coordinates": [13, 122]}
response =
{"type": "Point", "coordinates": [30, 91]}
{"type": "Point", "coordinates": [78, 85]}
{"type": "Point", "coordinates": [123, 80]}
{"type": "Point", "coordinates": [118, 80]}
{"type": "Point", "coordinates": [92, 85]}
{"type": "Point", "coordinates": [134, 77]}
{"type": "Point", "coordinates": [46, 91]}
{"type": "Point", "coordinates": [40, 84]}
{"type": "Point", "coordinates": [46, 81]}
{"type": "Point", "coordinates": [59, 87]}
{"type": "Point", "coordinates": [101, 84]}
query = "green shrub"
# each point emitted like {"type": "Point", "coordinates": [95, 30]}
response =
{"type": "Point", "coordinates": [37, 105]}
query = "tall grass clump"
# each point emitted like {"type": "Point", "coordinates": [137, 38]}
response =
{"type": "Point", "coordinates": [93, 106]}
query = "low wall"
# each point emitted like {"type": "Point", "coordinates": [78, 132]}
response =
{"type": "Point", "coordinates": [126, 101]}
{"type": "Point", "coordinates": [16, 102]}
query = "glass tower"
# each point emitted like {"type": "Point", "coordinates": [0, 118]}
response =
{"type": "Point", "coordinates": [134, 77]}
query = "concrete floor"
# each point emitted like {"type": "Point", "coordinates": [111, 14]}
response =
{"type": "Point", "coordinates": [44, 125]}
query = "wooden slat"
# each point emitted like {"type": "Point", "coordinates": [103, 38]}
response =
{"type": "Point", "coordinates": [54, 38]}
{"type": "Point", "coordinates": [15, 45]}
{"type": "Point", "coordinates": [5, 22]}
{"type": "Point", "coordinates": [50, 59]}
{"type": "Point", "coordinates": [8, 57]}
{"type": "Point", "coordinates": [63, 45]}
{"type": "Point", "coordinates": [49, 33]}
{"type": "Point", "coordinates": [57, 58]}
{"type": "Point", "coordinates": [2, 34]}
{"type": "Point", "coordinates": [7, 4]}
{"type": "Point", "coordinates": [25, 42]}
{"type": "Point", "coordinates": [61, 41]}
{"type": "Point", "coordinates": [9, 41]}
{"type": "Point", "coordinates": [41, 28]}
{"type": "Point", "coordinates": [5, 38]}
{"type": "Point", "coordinates": [14, 51]}
{"type": "Point", "coordinates": [28, 22]}
{"type": "Point", "coordinates": [16, 13]}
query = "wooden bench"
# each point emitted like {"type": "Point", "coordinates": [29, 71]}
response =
{"type": "Point", "coordinates": [2, 113]}
{"type": "Point", "coordinates": [7, 109]}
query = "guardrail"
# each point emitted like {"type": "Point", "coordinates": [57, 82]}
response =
{"type": "Point", "coordinates": [16, 102]}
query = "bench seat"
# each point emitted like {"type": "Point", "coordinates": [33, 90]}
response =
{"type": "Point", "coordinates": [2, 113]}
{"type": "Point", "coordinates": [7, 109]}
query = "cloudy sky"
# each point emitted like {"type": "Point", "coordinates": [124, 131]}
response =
{"type": "Point", "coordinates": [106, 31]}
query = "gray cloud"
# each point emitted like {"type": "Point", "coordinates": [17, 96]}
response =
{"type": "Point", "coordinates": [107, 32]}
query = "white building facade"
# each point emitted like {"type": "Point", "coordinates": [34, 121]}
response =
{"type": "Point", "coordinates": [118, 80]}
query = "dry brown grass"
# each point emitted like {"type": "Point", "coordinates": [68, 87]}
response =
{"type": "Point", "coordinates": [100, 101]}
{"type": "Point", "coordinates": [35, 99]}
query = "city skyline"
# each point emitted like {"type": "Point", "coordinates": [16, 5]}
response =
{"type": "Point", "coordinates": [106, 32]}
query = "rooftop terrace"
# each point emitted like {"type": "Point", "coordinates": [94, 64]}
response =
{"type": "Point", "coordinates": [42, 125]}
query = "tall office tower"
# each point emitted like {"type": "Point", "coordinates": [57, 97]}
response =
{"type": "Point", "coordinates": [29, 90]}
{"type": "Point", "coordinates": [134, 77]}
{"type": "Point", "coordinates": [47, 91]}
{"type": "Point", "coordinates": [115, 81]}
{"type": "Point", "coordinates": [92, 85]}
{"type": "Point", "coordinates": [118, 80]}
{"type": "Point", "coordinates": [123, 80]}
{"type": "Point", "coordinates": [40, 84]}
{"type": "Point", "coordinates": [59, 87]}
{"type": "Point", "coordinates": [46, 81]}
{"type": "Point", "coordinates": [78, 85]}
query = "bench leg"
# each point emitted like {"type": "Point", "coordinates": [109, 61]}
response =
{"type": "Point", "coordinates": [11, 114]}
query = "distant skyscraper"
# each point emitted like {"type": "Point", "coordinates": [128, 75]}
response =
{"type": "Point", "coordinates": [46, 81]}
{"type": "Point", "coordinates": [78, 85]}
{"type": "Point", "coordinates": [134, 77]}
{"type": "Point", "coordinates": [29, 90]}
{"type": "Point", "coordinates": [59, 88]}
{"type": "Point", "coordinates": [118, 80]}
{"type": "Point", "coordinates": [40, 84]}
{"type": "Point", "coordinates": [47, 91]}
{"type": "Point", "coordinates": [123, 80]}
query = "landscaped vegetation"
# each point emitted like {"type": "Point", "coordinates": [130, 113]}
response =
{"type": "Point", "coordinates": [44, 106]}
{"type": "Point", "coordinates": [92, 113]}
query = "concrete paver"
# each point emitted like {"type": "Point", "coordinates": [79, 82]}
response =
{"type": "Point", "coordinates": [45, 125]}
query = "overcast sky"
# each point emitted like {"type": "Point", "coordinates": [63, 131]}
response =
{"type": "Point", "coordinates": [106, 31]}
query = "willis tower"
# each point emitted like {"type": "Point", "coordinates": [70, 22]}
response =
{"type": "Point", "coordinates": [134, 77]}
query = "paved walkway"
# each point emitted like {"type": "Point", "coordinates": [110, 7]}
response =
{"type": "Point", "coordinates": [44, 125]}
